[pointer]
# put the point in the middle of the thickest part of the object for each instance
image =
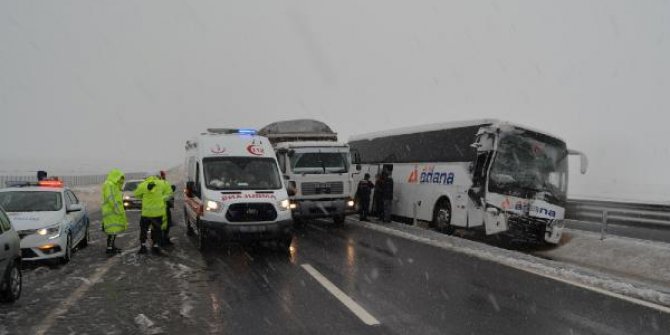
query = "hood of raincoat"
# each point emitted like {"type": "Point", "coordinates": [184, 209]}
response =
{"type": "Point", "coordinates": [115, 176]}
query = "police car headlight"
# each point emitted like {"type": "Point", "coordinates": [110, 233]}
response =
{"type": "Point", "coordinates": [284, 204]}
{"type": "Point", "coordinates": [126, 197]}
{"type": "Point", "coordinates": [213, 206]}
{"type": "Point", "coordinates": [52, 232]}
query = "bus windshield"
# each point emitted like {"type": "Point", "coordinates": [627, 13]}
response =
{"type": "Point", "coordinates": [320, 162]}
{"type": "Point", "coordinates": [241, 173]}
{"type": "Point", "coordinates": [530, 165]}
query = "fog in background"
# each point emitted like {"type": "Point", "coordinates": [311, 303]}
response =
{"type": "Point", "coordinates": [90, 85]}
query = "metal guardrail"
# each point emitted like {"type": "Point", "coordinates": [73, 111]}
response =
{"type": "Point", "coordinates": [71, 181]}
{"type": "Point", "coordinates": [619, 213]}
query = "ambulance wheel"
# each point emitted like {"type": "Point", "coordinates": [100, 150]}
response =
{"type": "Point", "coordinates": [202, 239]}
{"type": "Point", "coordinates": [12, 283]}
{"type": "Point", "coordinates": [442, 217]}
{"type": "Point", "coordinates": [68, 251]}
{"type": "Point", "coordinates": [189, 229]}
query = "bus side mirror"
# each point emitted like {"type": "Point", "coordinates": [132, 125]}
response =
{"type": "Point", "coordinates": [189, 189]}
{"type": "Point", "coordinates": [583, 160]}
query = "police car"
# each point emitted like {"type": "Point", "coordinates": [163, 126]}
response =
{"type": "Point", "coordinates": [48, 217]}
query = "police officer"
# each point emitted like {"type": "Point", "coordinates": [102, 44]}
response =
{"type": "Point", "coordinates": [154, 194]}
{"type": "Point", "coordinates": [363, 191]}
{"type": "Point", "coordinates": [167, 219]}
{"type": "Point", "coordinates": [114, 219]}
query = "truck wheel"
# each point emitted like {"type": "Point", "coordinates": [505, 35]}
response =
{"type": "Point", "coordinates": [442, 217]}
{"type": "Point", "coordinates": [339, 219]}
{"type": "Point", "coordinates": [299, 223]}
{"type": "Point", "coordinates": [12, 283]}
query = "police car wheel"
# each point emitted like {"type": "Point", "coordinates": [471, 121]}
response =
{"type": "Point", "coordinates": [442, 218]}
{"type": "Point", "coordinates": [12, 283]}
{"type": "Point", "coordinates": [84, 241]}
{"type": "Point", "coordinates": [68, 251]}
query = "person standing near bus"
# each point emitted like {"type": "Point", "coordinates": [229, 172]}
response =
{"type": "Point", "coordinates": [386, 196]}
{"type": "Point", "coordinates": [365, 187]}
{"type": "Point", "coordinates": [377, 198]}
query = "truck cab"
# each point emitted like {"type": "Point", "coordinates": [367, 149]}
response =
{"type": "Point", "coordinates": [316, 168]}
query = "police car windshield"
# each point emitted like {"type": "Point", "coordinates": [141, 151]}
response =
{"type": "Point", "coordinates": [131, 185]}
{"type": "Point", "coordinates": [241, 173]}
{"type": "Point", "coordinates": [30, 201]}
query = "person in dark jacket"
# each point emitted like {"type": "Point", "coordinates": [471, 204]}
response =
{"type": "Point", "coordinates": [377, 198]}
{"type": "Point", "coordinates": [386, 196]}
{"type": "Point", "coordinates": [365, 187]}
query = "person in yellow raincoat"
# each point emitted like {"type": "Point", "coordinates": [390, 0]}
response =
{"type": "Point", "coordinates": [114, 219]}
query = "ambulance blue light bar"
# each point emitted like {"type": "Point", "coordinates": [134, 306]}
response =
{"type": "Point", "coordinates": [241, 131]}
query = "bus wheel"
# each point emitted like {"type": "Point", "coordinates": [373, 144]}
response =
{"type": "Point", "coordinates": [442, 217]}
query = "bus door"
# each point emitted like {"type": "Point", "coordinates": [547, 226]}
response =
{"type": "Point", "coordinates": [476, 194]}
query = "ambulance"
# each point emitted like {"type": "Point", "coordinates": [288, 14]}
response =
{"type": "Point", "coordinates": [234, 190]}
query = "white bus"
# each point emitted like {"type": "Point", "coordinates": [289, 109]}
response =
{"type": "Point", "coordinates": [485, 173]}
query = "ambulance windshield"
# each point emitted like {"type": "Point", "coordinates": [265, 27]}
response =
{"type": "Point", "coordinates": [241, 173]}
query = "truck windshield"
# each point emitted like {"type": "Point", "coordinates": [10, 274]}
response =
{"type": "Point", "coordinates": [241, 173]}
{"type": "Point", "coordinates": [320, 162]}
{"type": "Point", "coordinates": [530, 165]}
{"type": "Point", "coordinates": [31, 201]}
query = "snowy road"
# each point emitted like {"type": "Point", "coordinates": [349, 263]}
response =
{"type": "Point", "coordinates": [408, 287]}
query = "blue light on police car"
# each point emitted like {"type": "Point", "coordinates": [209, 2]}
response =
{"type": "Point", "coordinates": [246, 131]}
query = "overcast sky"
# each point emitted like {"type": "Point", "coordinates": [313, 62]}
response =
{"type": "Point", "coordinates": [87, 85]}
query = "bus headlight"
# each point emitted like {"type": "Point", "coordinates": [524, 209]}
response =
{"type": "Point", "coordinates": [284, 204]}
{"type": "Point", "coordinates": [52, 231]}
{"type": "Point", "coordinates": [213, 206]}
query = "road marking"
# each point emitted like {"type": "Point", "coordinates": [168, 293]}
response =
{"type": "Point", "coordinates": [65, 306]}
{"type": "Point", "coordinates": [361, 313]}
{"type": "Point", "coordinates": [517, 264]}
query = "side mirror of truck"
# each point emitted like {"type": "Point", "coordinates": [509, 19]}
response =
{"type": "Point", "coordinates": [189, 189]}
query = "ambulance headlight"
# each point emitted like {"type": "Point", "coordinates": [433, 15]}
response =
{"type": "Point", "coordinates": [213, 206]}
{"type": "Point", "coordinates": [284, 204]}
{"type": "Point", "coordinates": [52, 232]}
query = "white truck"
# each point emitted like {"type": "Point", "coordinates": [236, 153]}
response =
{"type": "Point", "coordinates": [316, 168]}
{"type": "Point", "coordinates": [234, 190]}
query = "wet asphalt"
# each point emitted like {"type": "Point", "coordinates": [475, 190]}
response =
{"type": "Point", "coordinates": [409, 287]}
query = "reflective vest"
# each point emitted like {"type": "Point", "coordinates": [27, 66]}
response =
{"type": "Point", "coordinates": [114, 219]}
